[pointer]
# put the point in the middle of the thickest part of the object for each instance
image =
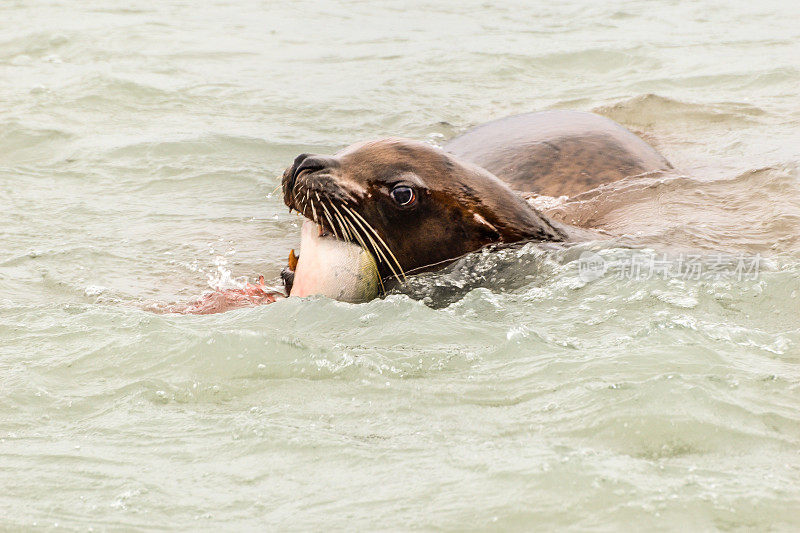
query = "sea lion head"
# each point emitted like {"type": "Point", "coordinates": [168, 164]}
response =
{"type": "Point", "coordinates": [412, 205]}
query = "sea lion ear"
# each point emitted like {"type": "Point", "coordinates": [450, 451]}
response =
{"type": "Point", "coordinates": [492, 232]}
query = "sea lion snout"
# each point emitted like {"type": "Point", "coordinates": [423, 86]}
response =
{"type": "Point", "coordinates": [312, 163]}
{"type": "Point", "coordinates": [304, 164]}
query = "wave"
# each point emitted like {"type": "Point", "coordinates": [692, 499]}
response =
{"type": "Point", "coordinates": [755, 211]}
{"type": "Point", "coordinates": [646, 111]}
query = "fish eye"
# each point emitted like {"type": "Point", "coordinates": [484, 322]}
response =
{"type": "Point", "coordinates": [403, 195]}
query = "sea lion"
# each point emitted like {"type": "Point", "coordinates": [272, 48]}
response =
{"type": "Point", "coordinates": [413, 206]}
{"type": "Point", "coordinates": [416, 207]}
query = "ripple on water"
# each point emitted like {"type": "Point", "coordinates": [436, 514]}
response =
{"type": "Point", "coordinates": [140, 143]}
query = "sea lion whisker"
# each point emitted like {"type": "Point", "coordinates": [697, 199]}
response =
{"type": "Point", "coordinates": [384, 244]}
{"type": "Point", "coordinates": [376, 248]}
{"type": "Point", "coordinates": [437, 263]}
{"type": "Point", "coordinates": [314, 212]}
{"type": "Point", "coordinates": [372, 246]}
{"type": "Point", "coordinates": [296, 198]}
{"type": "Point", "coordinates": [344, 220]}
{"type": "Point", "coordinates": [328, 218]}
{"type": "Point", "coordinates": [344, 227]}
{"type": "Point", "coordinates": [312, 206]}
{"type": "Point", "coordinates": [366, 248]}
{"type": "Point", "coordinates": [338, 217]}
{"type": "Point", "coordinates": [379, 256]}
{"type": "Point", "coordinates": [297, 188]}
{"type": "Point", "coordinates": [357, 235]}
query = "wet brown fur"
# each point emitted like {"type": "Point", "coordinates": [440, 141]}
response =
{"type": "Point", "coordinates": [557, 153]}
{"type": "Point", "coordinates": [441, 225]}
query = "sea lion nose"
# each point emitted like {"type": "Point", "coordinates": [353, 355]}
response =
{"type": "Point", "coordinates": [303, 163]}
{"type": "Point", "coordinates": [312, 163]}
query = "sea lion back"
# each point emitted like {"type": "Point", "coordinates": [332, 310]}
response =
{"type": "Point", "coordinates": [557, 153]}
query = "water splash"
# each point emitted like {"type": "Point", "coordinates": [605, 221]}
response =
{"type": "Point", "coordinates": [221, 278]}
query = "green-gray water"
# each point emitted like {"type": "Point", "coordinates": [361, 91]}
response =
{"type": "Point", "coordinates": [139, 149]}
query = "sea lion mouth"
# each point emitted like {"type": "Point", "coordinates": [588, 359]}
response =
{"type": "Point", "coordinates": [311, 198]}
{"type": "Point", "coordinates": [335, 211]}
{"type": "Point", "coordinates": [318, 207]}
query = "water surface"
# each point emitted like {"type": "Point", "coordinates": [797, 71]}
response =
{"type": "Point", "coordinates": [140, 146]}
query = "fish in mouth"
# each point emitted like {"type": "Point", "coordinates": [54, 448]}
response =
{"type": "Point", "coordinates": [331, 267]}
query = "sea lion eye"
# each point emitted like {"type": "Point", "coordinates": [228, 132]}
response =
{"type": "Point", "coordinates": [403, 195]}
